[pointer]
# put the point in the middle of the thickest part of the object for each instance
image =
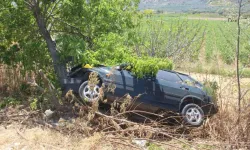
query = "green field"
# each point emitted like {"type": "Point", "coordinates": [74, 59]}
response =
{"type": "Point", "coordinates": [214, 39]}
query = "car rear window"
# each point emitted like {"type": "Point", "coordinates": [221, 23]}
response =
{"type": "Point", "coordinates": [169, 76]}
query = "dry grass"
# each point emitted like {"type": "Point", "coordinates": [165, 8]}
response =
{"type": "Point", "coordinates": [15, 137]}
{"type": "Point", "coordinates": [222, 131]}
{"type": "Point", "coordinates": [11, 78]}
{"type": "Point", "coordinates": [40, 139]}
{"type": "Point", "coordinates": [227, 90]}
{"type": "Point", "coordinates": [225, 126]}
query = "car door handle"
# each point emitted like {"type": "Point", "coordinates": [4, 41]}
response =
{"type": "Point", "coordinates": [184, 88]}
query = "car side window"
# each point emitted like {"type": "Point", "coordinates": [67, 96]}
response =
{"type": "Point", "coordinates": [168, 76]}
{"type": "Point", "coordinates": [186, 78]}
{"type": "Point", "coordinates": [190, 81]}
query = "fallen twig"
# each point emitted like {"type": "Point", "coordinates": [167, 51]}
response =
{"type": "Point", "coordinates": [117, 119]}
{"type": "Point", "coordinates": [156, 131]}
{"type": "Point", "coordinates": [139, 111]}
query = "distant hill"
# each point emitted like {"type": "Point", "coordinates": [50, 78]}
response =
{"type": "Point", "coordinates": [182, 5]}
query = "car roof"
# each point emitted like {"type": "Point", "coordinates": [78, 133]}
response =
{"type": "Point", "coordinates": [175, 72]}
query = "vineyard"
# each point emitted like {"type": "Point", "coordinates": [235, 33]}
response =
{"type": "Point", "coordinates": [207, 41]}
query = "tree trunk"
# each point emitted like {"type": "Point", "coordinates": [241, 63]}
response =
{"type": "Point", "coordinates": [237, 55]}
{"type": "Point", "coordinates": [59, 67]}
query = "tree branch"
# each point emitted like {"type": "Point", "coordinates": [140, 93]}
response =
{"type": "Point", "coordinates": [30, 6]}
{"type": "Point", "coordinates": [51, 11]}
{"type": "Point", "coordinates": [88, 39]}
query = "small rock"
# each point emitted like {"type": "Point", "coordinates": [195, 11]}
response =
{"type": "Point", "coordinates": [141, 143]}
{"type": "Point", "coordinates": [62, 122]}
{"type": "Point", "coordinates": [48, 113]}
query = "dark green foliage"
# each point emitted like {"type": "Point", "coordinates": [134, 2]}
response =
{"type": "Point", "coordinates": [7, 101]}
{"type": "Point", "coordinates": [78, 27]}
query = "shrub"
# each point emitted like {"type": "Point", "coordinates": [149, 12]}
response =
{"type": "Point", "coordinates": [149, 66]}
{"type": "Point", "coordinates": [211, 87]}
{"type": "Point", "coordinates": [141, 66]}
{"type": "Point", "coordinates": [7, 101]}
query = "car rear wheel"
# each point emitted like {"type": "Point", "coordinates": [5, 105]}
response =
{"type": "Point", "coordinates": [88, 92]}
{"type": "Point", "coordinates": [193, 115]}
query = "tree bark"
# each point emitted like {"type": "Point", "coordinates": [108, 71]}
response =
{"type": "Point", "coordinates": [60, 68]}
{"type": "Point", "coordinates": [237, 55]}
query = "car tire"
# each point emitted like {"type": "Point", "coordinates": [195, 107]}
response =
{"type": "Point", "coordinates": [193, 115]}
{"type": "Point", "coordinates": [88, 94]}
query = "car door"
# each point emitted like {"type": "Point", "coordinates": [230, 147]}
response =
{"type": "Point", "coordinates": [117, 78]}
{"type": "Point", "coordinates": [169, 89]}
{"type": "Point", "coordinates": [138, 86]}
{"type": "Point", "coordinates": [127, 83]}
{"type": "Point", "coordinates": [193, 85]}
{"type": "Point", "coordinates": [133, 85]}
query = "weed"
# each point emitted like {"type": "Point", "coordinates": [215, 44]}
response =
{"type": "Point", "coordinates": [33, 104]}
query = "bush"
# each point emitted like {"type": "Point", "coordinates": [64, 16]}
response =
{"type": "Point", "coordinates": [7, 101]}
{"type": "Point", "coordinates": [211, 88]}
{"type": "Point", "coordinates": [111, 54]}
{"type": "Point", "coordinates": [149, 66]}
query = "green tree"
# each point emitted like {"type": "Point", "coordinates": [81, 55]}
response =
{"type": "Point", "coordinates": [44, 30]}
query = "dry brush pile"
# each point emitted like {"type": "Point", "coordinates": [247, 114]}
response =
{"type": "Point", "coordinates": [79, 118]}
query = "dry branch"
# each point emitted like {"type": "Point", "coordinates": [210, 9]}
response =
{"type": "Point", "coordinates": [51, 88]}
{"type": "Point", "coordinates": [137, 127]}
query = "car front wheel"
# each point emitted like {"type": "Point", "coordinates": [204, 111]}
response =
{"type": "Point", "coordinates": [88, 92]}
{"type": "Point", "coordinates": [193, 115]}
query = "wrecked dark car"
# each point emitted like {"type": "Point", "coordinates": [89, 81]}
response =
{"type": "Point", "coordinates": [168, 91]}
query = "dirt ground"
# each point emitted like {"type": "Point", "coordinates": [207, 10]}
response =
{"type": "Point", "coordinates": [45, 139]}
{"type": "Point", "coordinates": [14, 138]}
